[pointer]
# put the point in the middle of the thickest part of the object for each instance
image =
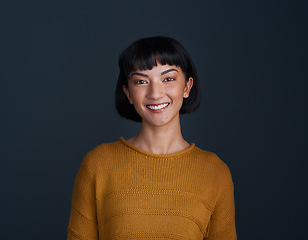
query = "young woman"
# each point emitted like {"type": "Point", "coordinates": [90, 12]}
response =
{"type": "Point", "coordinates": [154, 185]}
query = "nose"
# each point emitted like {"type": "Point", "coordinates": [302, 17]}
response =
{"type": "Point", "coordinates": [155, 91]}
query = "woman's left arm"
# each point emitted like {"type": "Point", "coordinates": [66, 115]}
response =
{"type": "Point", "coordinates": [222, 222]}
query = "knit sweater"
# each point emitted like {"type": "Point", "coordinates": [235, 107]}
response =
{"type": "Point", "coordinates": [123, 192]}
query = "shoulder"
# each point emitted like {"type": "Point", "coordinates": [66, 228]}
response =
{"type": "Point", "coordinates": [101, 156]}
{"type": "Point", "coordinates": [104, 149]}
{"type": "Point", "coordinates": [211, 158]}
{"type": "Point", "coordinates": [212, 164]}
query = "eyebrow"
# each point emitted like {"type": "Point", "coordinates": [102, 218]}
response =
{"type": "Point", "coordinates": [144, 75]}
{"type": "Point", "coordinates": [169, 70]}
{"type": "Point", "coordinates": [139, 74]}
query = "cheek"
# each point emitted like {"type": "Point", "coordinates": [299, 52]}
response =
{"type": "Point", "coordinates": [136, 95]}
{"type": "Point", "coordinates": [177, 92]}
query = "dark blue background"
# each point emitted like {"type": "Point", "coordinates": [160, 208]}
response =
{"type": "Point", "coordinates": [58, 74]}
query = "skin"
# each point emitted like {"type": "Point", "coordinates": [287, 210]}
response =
{"type": "Point", "coordinates": [161, 130]}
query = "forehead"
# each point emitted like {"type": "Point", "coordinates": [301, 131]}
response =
{"type": "Point", "coordinates": [159, 69]}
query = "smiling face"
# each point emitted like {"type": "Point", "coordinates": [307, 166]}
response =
{"type": "Point", "coordinates": [157, 94]}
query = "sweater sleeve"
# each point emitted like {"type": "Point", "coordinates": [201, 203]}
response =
{"type": "Point", "coordinates": [222, 222]}
{"type": "Point", "coordinates": [83, 220]}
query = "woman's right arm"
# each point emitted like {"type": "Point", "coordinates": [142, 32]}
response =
{"type": "Point", "coordinates": [83, 220]}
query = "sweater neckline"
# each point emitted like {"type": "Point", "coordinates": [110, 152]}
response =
{"type": "Point", "coordinates": [131, 146]}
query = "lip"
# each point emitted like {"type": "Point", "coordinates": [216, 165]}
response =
{"type": "Point", "coordinates": [158, 107]}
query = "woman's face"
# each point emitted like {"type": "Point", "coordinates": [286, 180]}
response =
{"type": "Point", "coordinates": [157, 94]}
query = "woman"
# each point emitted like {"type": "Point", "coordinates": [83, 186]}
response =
{"type": "Point", "coordinates": [154, 185]}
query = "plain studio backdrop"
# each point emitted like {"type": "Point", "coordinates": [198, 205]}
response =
{"type": "Point", "coordinates": [58, 75]}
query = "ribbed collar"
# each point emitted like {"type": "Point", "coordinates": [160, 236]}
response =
{"type": "Point", "coordinates": [185, 151]}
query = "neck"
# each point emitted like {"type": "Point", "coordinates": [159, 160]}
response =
{"type": "Point", "coordinates": [160, 140]}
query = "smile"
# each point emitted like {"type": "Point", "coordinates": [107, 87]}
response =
{"type": "Point", "coordinates": [158, 107]}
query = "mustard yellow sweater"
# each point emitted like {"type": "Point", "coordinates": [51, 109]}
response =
{"type": "Point", "coordinates": [122, 192]}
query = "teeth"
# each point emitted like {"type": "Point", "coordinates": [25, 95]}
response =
{"type": "Point", "coordinates": [156, 107]}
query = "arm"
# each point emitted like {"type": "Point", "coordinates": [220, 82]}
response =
{"type": "Point", "coordinates": [83, 222]}
{"type": "Point", "coordinates": [222, 222]}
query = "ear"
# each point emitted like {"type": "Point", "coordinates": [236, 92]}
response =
{"type": "Point", "coordinates": [126, 91]}
{"type": "Point", "coordinates": [188, 87]}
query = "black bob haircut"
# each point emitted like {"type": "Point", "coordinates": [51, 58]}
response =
{"type": "Point", "coordinates": [146, 53]}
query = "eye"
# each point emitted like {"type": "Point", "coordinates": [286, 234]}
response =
{"type": "Point", "coordinates": [169, 79]}
{"type": "Point", "coordinates": [141, 82]}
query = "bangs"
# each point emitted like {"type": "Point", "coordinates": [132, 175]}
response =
{"type": "Point", "coordinates": [149, 59]}
{"type": "Point", "coordinates": [147, 55]}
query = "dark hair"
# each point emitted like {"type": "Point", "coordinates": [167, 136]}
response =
{"type": "Point", "coordinates": [144, 54]}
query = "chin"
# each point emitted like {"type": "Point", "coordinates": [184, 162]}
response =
{"type": "Point", "coordinates": [160, 122]}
